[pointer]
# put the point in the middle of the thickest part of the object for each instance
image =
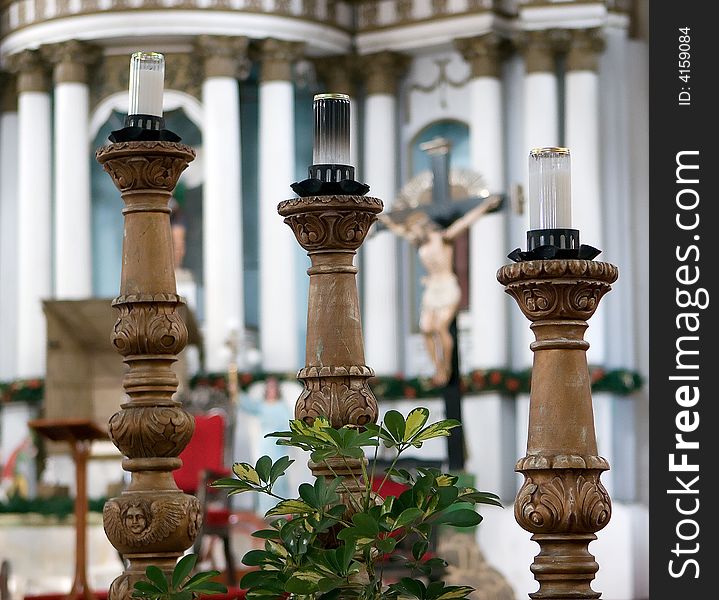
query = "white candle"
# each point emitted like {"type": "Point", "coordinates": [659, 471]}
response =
{"type": "Point", "coordinates": [331, 129]}
{"type": "Point", "coordinates": [550, 200]}
{"type": "Point", "coordinates": [147, 80]}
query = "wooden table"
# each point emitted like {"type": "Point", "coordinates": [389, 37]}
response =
{"type": "Point", "coordinates": [79, 433]}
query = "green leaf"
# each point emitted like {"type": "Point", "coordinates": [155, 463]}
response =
{"type": "Point", "coordinates": [289, 507]}
{"type": "Point", "coordinates": [345, 554]}
{"type": "Point", "coordinates": [262, 468]}
{"type": "Point", "coordinates": [395, 424]}
{"type": "Point", "coordinates": [303, 582]}
{"type": "Point", "coordinates": [146, 588]}
{"type": "Point", "coordinates": [419, 549]}
{"type": "Point", "coordinates": [470, 495]}
{"type": "Point", "coordinates": [453, 592]}
{"type": "Point", "coordinates": [246, 472]}
{"type": "Point", "coordinates": [413, 586]}
{"type": "Point", "coordinates": [157, 577]}
{"type": "Point", "coordinates": [255, 558]}
{"type": "Point", "coordinates": [199, 579]}
{"type": "Point", "coordinates": [438, 429]}
{"type": "Point", "coordinates": [279, 468]}
{"type": "Point", "coordinates": [415, 421]}
{"type": "Point", "coordinates": [464, 517]}
{"type": "Point", "coordinates": [387, 545]}
{"type": "Point", "coordinates": [406, 517]}
{"type": "Point", "coordinates": [208, 588]}
{"type": "Point", "coordinates": [365, 525]}
{"type": "Point", "coordinates": [266, 534]}
{"type": "Point", "coordinates": [183, 569]}
{"type": "Point", "coordinates": [308, 494]}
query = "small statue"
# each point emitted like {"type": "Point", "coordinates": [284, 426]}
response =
{"type": "Point", "coordinates": [442, 294]}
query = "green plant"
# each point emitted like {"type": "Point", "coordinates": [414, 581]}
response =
{"type": "Point", "coordinates": [180, 585]}
{"type": "Point", "coordinates": [333, 543]}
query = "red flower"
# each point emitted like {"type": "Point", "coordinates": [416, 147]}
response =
{"type": "Point", "coordinates": [597, 374]}
{"type": "Point", "coordinates": [478, 378]}
{"type": "Point", "coordinates": [495, 378]}
{"type": "Point", "coordinates": [410, 392]}
{"type": "Point", "coordinates": [512, 384]}
{"type": "Point", "coordinates": [246, 378]}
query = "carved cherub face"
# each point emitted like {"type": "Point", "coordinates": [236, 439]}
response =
{"type": "Point", "coordinates": [135, 519]}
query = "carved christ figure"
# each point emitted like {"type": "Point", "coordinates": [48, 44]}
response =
{"type": "Point", "coordinates": [442, 294]}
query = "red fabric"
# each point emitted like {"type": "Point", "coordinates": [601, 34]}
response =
{"type": "Point", "coordinates": [206, 450]}
{"type": "Point", "coordinates": [389, 488]}
{"type": "Point", "coordinates": [232, 594]}
{"type": "Point", "coordinates": [217, 516]}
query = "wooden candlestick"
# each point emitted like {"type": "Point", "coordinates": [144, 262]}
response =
{"type": "Point", "coordinates": [331, 229]}
{"type": "Point", "coordinates": [562, 502]}
{"type": "Point", "coordinates": [152, 522]}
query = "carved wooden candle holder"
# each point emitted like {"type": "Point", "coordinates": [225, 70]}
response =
{"type": "Point", "coordinates": [562, 502]}
{"type": "Point", "coordinates": [152, 522]}
{"type": "Point", "coordinates": [331, 229]}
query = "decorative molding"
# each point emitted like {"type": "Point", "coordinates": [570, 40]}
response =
{"type": "Point", "coordinates": [8, 92]}
{"type": "Point", "coordinates": [149, 431]}
{"type": "Point", "coordinates": [383, 70]}
{"type": "Point", "coordinates": [585, 46]}
{"type": "Point", "coordinates": [482, 53]}
{"type": "Point", "coordinates": [159, 166]}
{"type": "Point", "coordinates": [71, 60]}
{"type": "Point", "coordinates": [567, 501]}
{"type": "Point", "coordinates": [31, 70]}
{"type": "Point", "coordinates": [225, 56]}
{"type": "Point", "coordinates": [339, 73]}
{"type": "Point", "coordinates": [277, 58]}
{"type": "Point", "coordinates": [183, 72]}
{"type": "Point", "coordinates": [539, 49]}
{"type": "Point", "coordinates": [343, 400]}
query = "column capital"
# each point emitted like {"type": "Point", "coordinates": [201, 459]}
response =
{"type": "Point", "coordinates": [339, 73]}
{"type": "Point", "coordinates": [276, 58]}
{"type": "Point", "coordinates": [8, 92]}
{"type": "Point", "coordinates": [71, 60]}
{"type": "Point", "coordinates": [382, 71]}
{"type": "Point", "coordinates": [539, 49]}
{"type": "Point", "coordinates": [584, 47]}
{"type": "Point", "coordinates": [31, 70]}
{"type": "Point", "coordinates": [483, 53]}
{"type": "Point", "coordinates": [224, 56]}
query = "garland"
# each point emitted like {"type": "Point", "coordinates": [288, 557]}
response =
{"type": "Point", "coordinates": [22, 390]}
{"type": "Point", "coordinates": [617, 381]}
{"type": "Point", "coordinates": [57, 506]}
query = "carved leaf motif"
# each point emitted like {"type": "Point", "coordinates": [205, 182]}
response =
{"type": "Point", "coordinates": [148, 432]}
{"type": "Point", "coordinates": [594, 504]}
{"type": "Point", "coordinates": [149, 328]}
{"type": "Point", "coordinates": [566, 503]}
{"type": "Point", "coordinates": [343, 400]}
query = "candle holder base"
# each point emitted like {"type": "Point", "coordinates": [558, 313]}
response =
{"type": "Point", "coordinates": [317, 187]}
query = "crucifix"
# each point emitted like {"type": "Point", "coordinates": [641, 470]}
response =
{"type": "Point", "coordinates": [433, 228]}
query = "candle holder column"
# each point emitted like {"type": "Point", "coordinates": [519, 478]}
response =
{"type": "Point", "coordinates": [562, 501]}
{"type": "Point", "coordinates": [152, 522]}
{"type": "Point", "coordinates": [331, 228]}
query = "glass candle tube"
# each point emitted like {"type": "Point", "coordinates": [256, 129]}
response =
{"type": "Point", "coordinates": [147, 80]}
{"type": "Point", "coordinates": [550, 200]}
{"type": "Point", "coordinates": [331, 129]}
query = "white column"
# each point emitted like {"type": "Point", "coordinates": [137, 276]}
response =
{"type": "Point", "coordinates": [8, 227]}
{"type": "Point", "coordinates": [582, 139]}
{"type": "Point", "coordinates": [381, 307]}
{"type": "Point", "coordinates": [488, 243]}
{"type": "Point", "coordinates": [541, 95]}
{"type": "Point", "coordinates": [278, 293]}
{"type": "Point", "coordinates": [72, 226]}
{"type": "Point", "coordinates": [222, 197]}
{"type": "Point", "coordinates": [34, 216]}
{"type": "Point", "coordinates": [488, 458]}
{"type": "Point", "coordinates": [541, 128]}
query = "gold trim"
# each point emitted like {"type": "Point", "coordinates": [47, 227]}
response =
{"type": "Point", "coordinates": [548, 150]}
{"type": "Point", "coordinates": [331, 97]}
